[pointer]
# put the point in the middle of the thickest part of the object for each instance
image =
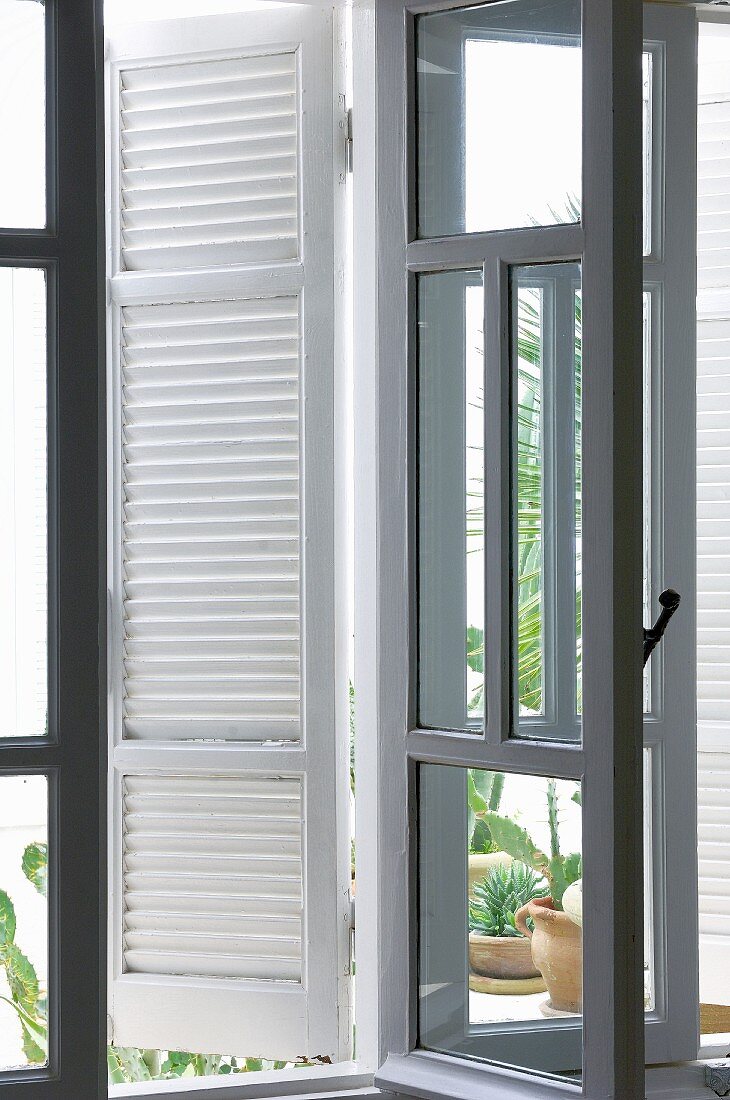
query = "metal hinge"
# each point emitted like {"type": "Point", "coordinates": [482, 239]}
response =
{"type": "Point", "coordinates": [348, 139]}
{"type": "Point", "coordinates": [351, 960]}
{"type": "Point", "coordinates": [717, 1078]}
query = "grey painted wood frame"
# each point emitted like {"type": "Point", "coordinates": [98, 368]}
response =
{"type": "Point", "coordinates": [70, 250]}
{"type": "Point", "coordinates": [609, 246]}
{"type": "Point", "coordinates": [670, 724]}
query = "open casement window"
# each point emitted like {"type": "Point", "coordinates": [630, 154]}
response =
{"type": "Point", "coordinates": [229, 916]}
{"type": "Point", "coordinates": [549, 406]}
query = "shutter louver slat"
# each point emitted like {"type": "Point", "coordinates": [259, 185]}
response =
{"type": "Point", "coordinates": [713, 170]}
{"type": "Point", "coordinates": [209, 161]}
{"type": "Point", "coordinates": [191, 843]}
{"type": "Point", "coordinates": [183, 501]}
{"type": "Point", "coordinates": [714, 516]}
{"type": "Point", "coordinates": [714, 874]}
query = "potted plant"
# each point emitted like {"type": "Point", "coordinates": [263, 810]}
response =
{"type": "Point", "coordinates": [497, 948]}
{"type": "Point", "coordinates": [556, 939]}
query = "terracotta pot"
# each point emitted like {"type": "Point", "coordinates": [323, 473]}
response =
{"type": "Point", "coordinates": [557, 951]}
{"type": "Point", "coordinates": [501, 956]}
{"type": "Point", "coordinates": [480, 864]}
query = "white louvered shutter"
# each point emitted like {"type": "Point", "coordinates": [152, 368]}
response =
{"type": "Point", "coordinates": [713, 581]}
{"type": "Point", "coordinates": [230, 840]}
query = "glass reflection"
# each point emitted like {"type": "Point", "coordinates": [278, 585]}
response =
{"type": "Point", "coordinates": [23, 114]}
{"type": "Point", "coordinates": [451, 500]}
{"type": "Point", "coordinates": [546, 488]}
{"type": "Point", "coordinates": [23, 492]}
{"type": "Point", "coordinates": [499, 92]}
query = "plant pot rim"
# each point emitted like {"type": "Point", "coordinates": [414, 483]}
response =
{"type": "Point", "coordinates": [479, 937]}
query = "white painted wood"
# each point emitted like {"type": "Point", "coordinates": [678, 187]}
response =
{"type": "Point", "coordinates": [229, 843]}
{"type": "Point", "coordinates": [713, 471]}
{"type": "Point", "coordinates": [376, 973]}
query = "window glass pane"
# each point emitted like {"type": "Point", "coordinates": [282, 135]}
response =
{"type": "Point", "coordinates": [450, 500]}
{"type": "Point", "coordinates": [500, 949]}
{"type": "Point", "coordinates": [649, 607]}
{"type": "Point", "coordinates": [23, 114]}
{"type": "Point", "coordinates": [647, 133]}
{"type": "Point", "coordinates": [23, 920]}
{"type": "Point", "coordinates": [546, 499]}
{"type": "Point", "coordinates": [652, 934]}
{"type": "Point", "coordinates": [499, 116]}
{"type": "Point", "coordinates": [23, 555]}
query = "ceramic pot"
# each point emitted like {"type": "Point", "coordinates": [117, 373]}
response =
{"type": "Point", "coordinates": [480, 864]}
{"type": "Point", "coordinates": [501, 956]}
{"type": "Point", "coordinates": [557, 951]}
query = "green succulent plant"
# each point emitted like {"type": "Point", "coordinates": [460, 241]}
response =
{"type": "Point", "coordinates": [499, 895]}
{"type": "Point", "coordinates": [559, 870]}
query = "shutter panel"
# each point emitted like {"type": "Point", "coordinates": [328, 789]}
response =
{"type": "Point", "coordinates": [213, 876]}
{"type": "Point", "coordinates": [713, 650]}
{"type": "Point", "coordinates": [209, 162]}
{"type": "Point", "coordinates": [713, 551]}
{"type": "Point", "coordinates": [229, 792]}
{"type": "Point", "coordinates": [211, 520]}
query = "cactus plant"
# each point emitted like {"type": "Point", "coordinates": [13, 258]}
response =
{"type": "Point", "coordinates": [559, 870]}
{"type": "Point", "coordinates": [498, 897]}
{"type": "Point", "coordinates": [484, 792]}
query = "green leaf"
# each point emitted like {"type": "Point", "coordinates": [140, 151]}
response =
{"type": "Point", "coordinates": [115, 1072]}
{"type": "Point", "coordinates": [498, 896]}
{"type": "Point", "coordinates": [35, 865]}
{"type": "Point", "coordinates": [35, 1026]}
{"type": "Point", "coordinates": [573, 867]}
{"type": "Point", "coordinates": [32, 1051]}
{"type": "Point", "coordinates": [510, 837]}
{"type": "Point", "coordinates": [475, 649]}
{"type": "Point", "coordinates": [7, 920]}
{"type": "Point", "coordinates": [22, 978]}
{"type": "Point", "coordinates": [133, 1064]}
{"type": "Point", "coordinates": [477, 803]}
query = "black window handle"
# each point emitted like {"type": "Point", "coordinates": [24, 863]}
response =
{"type": "Point", "coordinates": [669, 601]}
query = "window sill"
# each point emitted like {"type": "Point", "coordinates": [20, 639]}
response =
{"type": "Point", "coordinates": [430, 1076]}
{"type": "Point", "coordinates": [344, 1079]}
